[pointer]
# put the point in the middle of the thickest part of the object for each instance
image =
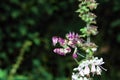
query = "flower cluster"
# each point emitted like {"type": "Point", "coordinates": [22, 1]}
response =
{"type": "Point", "coordinates": [84, 10]}
{"type": "Point", "coordinates": [89, 47]}
{"type": "Point", "coordinates": [72, 41]}
{"type": "Point", "coordinates": [87, 31]}
{"type": "Point", "coordinates": [87, 67]}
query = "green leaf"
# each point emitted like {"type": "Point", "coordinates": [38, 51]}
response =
{"type": "Point", "coordinates": [23, 30]}
{"type": "Point", "coordinates": [115, 23]}
{"type": "Point", "coordinates": [3, 55]}
{"type": "Point", "coordinates": [37, 41]}
{"type": "Point", "coordinates": [30, 21]}
{"type": "Point", "coordinates": [15, 1]}
{"type": "Point", "coordinates": [20, 77]}
{"type": "Point", "coordinates": [3, 74]}
{"type": "Point", "coordinates": [15, 13]}
{"type": "Point", "coordinates": [83, 30]}
{"type": "Point", "coordinates": [18, 44]}
{"type": "Point", "coordinates": [36, 63]}
{"type": "Point", "coordinates": [35, 10]}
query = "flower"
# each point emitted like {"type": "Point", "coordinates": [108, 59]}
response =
{"type": "Point", "coordinates": [62, 51]}
{"type": "Point", "coordinates": [59, 40]}
{"type": "Point", "coordinates": [73, 39]}
{"type": "Point", "coordinates": [62, 41]}
{"type": "Point", "coordinates": [98, 70]}
{"type": "Point", "coordinates": [96, 65]}
{"type": "Point", "coordinates": [75, 76]}
{"type": "Point", "coordinates": [81, 72]}
{"type": "Point", "coordinates": [89, 47]}
{"type": "Point", "coordinates": [85, 78]}
{"type": "Point", "coordinates": [55, 40]}
{"type": "Point", "coordinates": [74, 55]}
{"type": "Point", "coordinates": [72, 36]}
{"type": "Point", "coordinates": [86, 70]}
{"type": "Point", "coordinates": [93, 69]}
{"type": "Point", "coordinates": [92, 30]}
{"type": "Point", "coordinates": [88, 66]}
{"type": "Point", "coordinates": [59, 51]}
{"type": "Point", "coordinates": [67, 49]}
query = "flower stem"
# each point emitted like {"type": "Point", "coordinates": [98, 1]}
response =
{"type": "Point", "coordinates": [88, 36]}
{"type": "Point", "coordinates": [76, 61]}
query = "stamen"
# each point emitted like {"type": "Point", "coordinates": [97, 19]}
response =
{"type": "Point", "coordinates": [103, 68]}
{"type": "Point", "coordinates": [81, 55]}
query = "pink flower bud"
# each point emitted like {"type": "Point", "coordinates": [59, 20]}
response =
{"type": "Point", "coordinates": [55, 40]}
{"type": "Point", "coordinates": [61, 41]}
{"type": "Point", "coordinates": [68, 50]}
{"type": "Point", "coordinates": [74, 55]}
{"type": "Point", "coordinates": [59, 51]}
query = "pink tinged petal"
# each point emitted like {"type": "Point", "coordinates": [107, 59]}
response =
{"type": "Point", "coordinates": [87, 70]}
{"type": "Point", "coordinates": [61, 41]}
{"type": "Point", "coordinates": [74, 55]}
{"type": "Point", "coordinates": [72, 36]}
{"type": "Point", "coordinates": [81, 72]}
{"type": "Point", "coordinates": [98, 70]}
{"type": "Point", "coordinates": [59, 51]}
{"type": "Point", "coordinates": [70, 43]}
{"type": "Point", "coordinates": [68, 50]}
{"type": "Point", "coordinates": [55, 40]}
{"type": "Point", "coordinates": [93, 69]}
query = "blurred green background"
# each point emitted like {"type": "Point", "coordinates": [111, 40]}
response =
{"type": "Point", "coordinates": [26, 27]}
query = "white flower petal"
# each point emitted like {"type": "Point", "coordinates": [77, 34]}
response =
{"type": "Point", "coordinates": [85, 78]}
{"type": "Point", "coordinates": [93, 69]}
{"type": "Point", "coordinates": [80, 78]}
{"type": "Point", "coordinates": [98, 70]}
{"type": "Point", "coordinates": [74, 76]}
{"type": "Point", "coordinates": [87, 70]}
{"type": "Point", "coordinates": [94, 49]}
{"type": "Point", "coordinates": [81, 73]}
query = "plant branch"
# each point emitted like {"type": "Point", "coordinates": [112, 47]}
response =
{"type": "Point", "coordinates": [19, 60]}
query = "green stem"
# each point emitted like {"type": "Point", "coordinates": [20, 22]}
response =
{"type": "Point", "coordinates": [19, 60]}
{"type": "Point", "coordinates": [76, 61]}
{"type": "Point", "coordinates": [88, 36]}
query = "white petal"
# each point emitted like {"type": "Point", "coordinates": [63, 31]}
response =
{"type": "Point", "coordinates": [93, 69]}
{"type": "Point", "coordinates": [75, 69]}
{"type": "Point", "coordinates": [94, 49]}
{"type": "Point", "coordinates": [74, 76]}
{"type": "Point", "coordinates": [80, 78]}
{"type": "Point", "coordinates": [85, 78]}
{"type": "Point", "coordinates": [86, 70]}
{"type": "Point", "coordinates": [98, 70]}
{"type": "Point", "coordinates": [81, 73]}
